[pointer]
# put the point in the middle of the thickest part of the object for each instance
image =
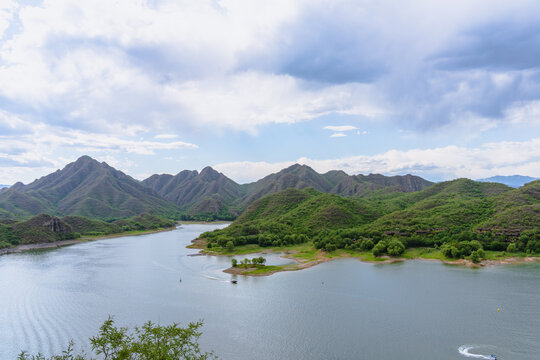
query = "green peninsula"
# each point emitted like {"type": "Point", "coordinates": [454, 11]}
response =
{"type": "Point", "coordinates": [459, 221]}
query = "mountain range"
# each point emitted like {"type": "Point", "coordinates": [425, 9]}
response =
{"type": "Point", "coordinates": [95, 190]}
{"type": "Point", "coordinates": [87, 188]}
{"type": "Point", "coordinates": [210, 192]}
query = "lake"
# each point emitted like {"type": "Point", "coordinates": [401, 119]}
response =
{"type": "Point", "coordinates": [344, 309]}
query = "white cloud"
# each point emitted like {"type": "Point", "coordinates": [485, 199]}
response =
{"type": "Point", "coordinates": [336, 135]}
{"type": "Point", "coordinates": [7, 10]}
{"type": "Point", "coordinates": [157, 65]}
{"type": "Point", "coordinates": [166, 136]}
{"type": "Point", "coordinates": [93, 75]}
{"type": "Point", "coordinates": [248, 171]}
{"type": "Point", "coordinates": [340, 128]}
{"type": "Point", "coordinates": [525, 112]}
{"type": "Point", "coordinates": [445, 163]}
{"type": "Point", "coordinates": [173, 65]}
{"type": "Point", "coordinates": [84, 141]}
{"type": "Point", "coordinates": [28, 148]}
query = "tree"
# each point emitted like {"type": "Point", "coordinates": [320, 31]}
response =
{"type": "Point", "coordinates": [533, 246]}
{"type": "Point", "coordinates": [512, 248]}
{"type": "Point", "coordinates": [456, 254]}
{"type": "Point", "coordinates": [475, 245]}
{"type": "Point", "coordinates": [395, 248]}
{"type": "Point", "coordinates": [258, 260]}
{"type": "Point", "coordinates": [379, 248]}
{"type": "Point", "coordinates": [481, 253]}
{"type": "Point", "coordinates": [234, 262]}
{"type": "Point", "coordinates": [475, 258]}
{"type": "Point", "coordinates": [150, 342]}
{"type": "Point", "coordinates": [230, 245]}
{"type": "Point", "coordinates": [450, 251]}
{"type": "Point", "coordinates": [330, 247]}
{"type": "Point", "coordinates": [366, 244]}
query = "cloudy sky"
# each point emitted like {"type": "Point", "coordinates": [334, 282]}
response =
{"type": "Point", "coordinates": [440, 89]}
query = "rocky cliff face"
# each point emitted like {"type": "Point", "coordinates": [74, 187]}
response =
{"type": "Point", "coordinates": [206, 192]}
{"type": "Point", "coordinates": [50, 223]}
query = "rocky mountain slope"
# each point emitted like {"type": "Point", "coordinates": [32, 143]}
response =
{"type": "Point", "coordinates": [210, 192]}
{"type": "Point", "coordinates": [87, 188]}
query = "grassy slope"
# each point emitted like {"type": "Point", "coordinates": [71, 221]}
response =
{"type": "Point", "coordinates": [303, 209]}
{"type": "Point", "coordinates": [519, 208]}
{"type": "Point", "coordinates": [459, 203]}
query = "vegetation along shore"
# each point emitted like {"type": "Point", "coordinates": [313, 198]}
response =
{"type": "Point", "coordinates": [47, 232]}
{"type": "Point", "coordinates": [458, 222]}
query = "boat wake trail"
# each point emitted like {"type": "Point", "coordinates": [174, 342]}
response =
{"type": "Point", "coordinates": [214, 278]}
{"type": "Point", "coordinates": [464, 350]}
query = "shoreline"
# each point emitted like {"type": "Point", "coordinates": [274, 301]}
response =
{"type": "Point", "coordinates": [322, 257]}
{"type": "Point", "coordinates": [387, 260]}
{"type": "Point", "coordinates": [196, 222]}
{"type": "Point", "coordinates": [83, 239]}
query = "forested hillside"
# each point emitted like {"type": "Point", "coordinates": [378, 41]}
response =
{"type": "Point", "coordinates": [448, 215]}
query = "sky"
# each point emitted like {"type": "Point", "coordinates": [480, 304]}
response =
{"type": "Point", "coordinates": [439, 89]}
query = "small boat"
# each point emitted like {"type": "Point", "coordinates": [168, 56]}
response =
{"type": "Point", "coordinates": [234, 281]}
{"type": "Point", "coordinates": [492, 357]}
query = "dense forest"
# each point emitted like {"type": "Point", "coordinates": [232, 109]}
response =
{"type": "Point", "coordinates": [461, 218]}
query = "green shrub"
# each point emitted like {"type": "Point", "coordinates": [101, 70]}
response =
{"type": "Point", "coordinates": [395, 248]}
{"type": "Point", "coordinates": [497, 246]}
{"type": "Point", "coordinates": [379, 248]}
{"type": "Point", "coordinates": [450, 251]}
{"type": "Point", "coordinates": [366, 244]}
{"type": "Point", "coordinates": [147, 342]}
{"type": "Point", "coordinates": [481, 253]}
{"type": "Point", "coordinates": [512, 248]}
{"type": "Point", "coordinates": [475, 258]}
{"type": "Point", "coordinates": [533, 247]}
{"type": "Point", "coordinates": [475, 245]}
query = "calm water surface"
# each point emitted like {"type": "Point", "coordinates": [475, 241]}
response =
{"type": "Point", "coordinates": [343, 309]}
